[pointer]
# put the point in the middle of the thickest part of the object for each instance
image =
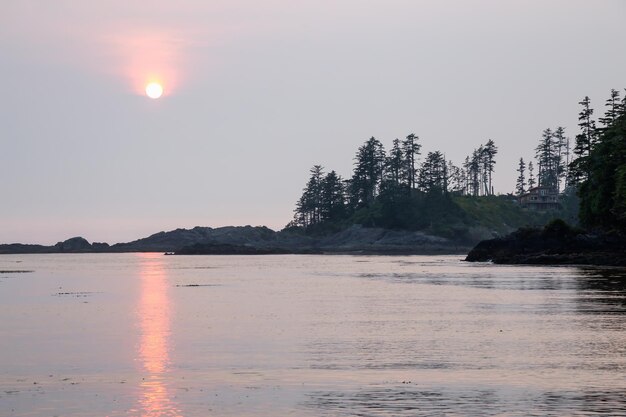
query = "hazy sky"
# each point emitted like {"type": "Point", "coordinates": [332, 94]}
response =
{"type": "Point", "coordinates": [256, 92]}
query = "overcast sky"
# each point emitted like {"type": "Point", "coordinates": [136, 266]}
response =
{"type": "Point", "coordinates": [256, 92]}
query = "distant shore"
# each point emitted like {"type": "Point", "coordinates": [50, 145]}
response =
{"type": "Point", "coordinates": [249, 240]}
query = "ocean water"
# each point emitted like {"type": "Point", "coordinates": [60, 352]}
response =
{"type": "Point", "coordinates": [154, 335]}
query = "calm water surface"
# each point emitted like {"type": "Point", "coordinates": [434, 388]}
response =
{"type": "Point", "coordinates": [153, 335]}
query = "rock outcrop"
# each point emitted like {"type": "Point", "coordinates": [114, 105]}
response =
{"type": "Point", "coordinates": [556, 244]}
{"type": "Point", "coordinates": [74, 245]}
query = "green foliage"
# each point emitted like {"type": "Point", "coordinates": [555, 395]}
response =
{"type": "Point", "coordinates": [614, 109]}
{"type": "Point", "coordinates": [527, 232]}
{"type": "Point", "coordinates": [619, 205]}
{"type": "Point", "coordinates": [552, 148]}
{"type": "Point", "coordinates": [570, 205]}
{"type": "Point", "coordinates": [369, 164]}
{"type": "Point", "coordinates": [432, 174]}
{"type": "Point", "coordinates": [558, 228]}
{"type": "Point", "coordinates": [585, 141]}
{"type": "Point", "coordinates": [462, 218]}
{"type": "Point", "coordinates": [501, 214]}
{"type": "Point", "coordinates": [390, 190]}
{"type": "Point", "coordinates": [479, 169]}
{"type": "Point", "coordinates": [410, 149]}
{"type": "Point", "coordinates": [603, 192]}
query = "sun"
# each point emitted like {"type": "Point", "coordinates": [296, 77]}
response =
{"type": "Point", "coordinates": [154, 90]}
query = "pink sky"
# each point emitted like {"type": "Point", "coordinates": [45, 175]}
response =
{"type": "Point", "coordinates": [258, 92]}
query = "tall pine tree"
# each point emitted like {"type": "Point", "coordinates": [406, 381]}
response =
{"type": "Point", "coordinates": [369, 164]}
{"type": "Point", "coordinates": [531, 176]}
{"type": "Point", "coordinates": [520, 186]}
{"type": "Point", "coordinates": [579, 168]}
{"type": "Point", "coordinates": [411, 150]}
{"type": "Point", "coordinates": [489, 154]}
{"type": "Point", "coordinates": [613, 111]}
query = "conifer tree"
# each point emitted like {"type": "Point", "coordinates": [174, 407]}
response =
{"type": "Point", "coordinates": [368, 171]}
{"type": "Point", "coordinates": [455, 177]}
{"type": "Point", "coordinates": [561, 156]}
{"type": "Point", "coordinates": [547, 156]}
{"type": "Point", "coordinates": [308, 208]}
{"type": "Point", "coordinates": [489, 153]}
{"type": "Point", "coordinates": [531, 175]}
{"type": "Point", "coordinates": [332, 197]}
{"type": "Point", "coordinates": [613, 105]}
{"type": "Point", "coordinates": [520, 186]}
{"type": "Point", "coordinates": [432, 174]}
{"type": "Point", "coordinates": [585, 140]}
{"type": "Point", "coordinates": [474, 171]}
{"type": "Point", "coordinates": [394, 164]}
{"type": "Point", "coordinates": [467, 189]}
{"type": "Point", "coordinates": [411, 150]}
{"type": "Point", "coordinates": [603, 192]}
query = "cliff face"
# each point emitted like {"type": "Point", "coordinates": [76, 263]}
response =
{"type": "Point", "coordinates": [555, 244]}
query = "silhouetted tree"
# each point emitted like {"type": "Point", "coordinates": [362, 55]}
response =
{"type": "Point", "coordinates": [432, 173]}
{"type": "Point", "coordinates": [456, 178]}
{"type": "Point", "coordinates": [332, 198]}
{"type": "Point", "coordinates": [561, 155]}
{"type": "Point", "coordinates": [411, 150]}
{"type": "Point", "coordinates": [368, 171]}
{"type": "Point", "coordinates": [613, 111]}
{"type": "Point", "coordinates": [603, 191]}
{"type": "Point", "coordinates": [546, 155]}
{"type": "Point", "coordinates": [474, 171]}
{"type": "Point", "coordinates": [520, 186]}
{"type": "Point", "coordinates": [395, 164]}
{"type": "Point", "coordinates": [309, 207]}
{"type": "Point", "coordinates": [488, 159]}
{"type": "Point", "coordinates": [531, 175]}
{"type": "Point", "coordinates": [579, 168]}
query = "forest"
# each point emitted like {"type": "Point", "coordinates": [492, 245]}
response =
{"type": "Point", "coordinates": [398, 189]}
{"type": "Point", "coordinates": [393, 189]}
{"type": "Point", "coordinates": [593, 171]}
{"type": "Point", "coordinates": [599, 170]}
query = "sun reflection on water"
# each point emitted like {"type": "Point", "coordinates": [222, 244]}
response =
{"type": "Point", "coordinates": [153, 353]}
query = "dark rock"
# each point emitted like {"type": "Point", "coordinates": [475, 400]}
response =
{"type": "Point", "coordinates": [74, 245]}
{"type": "Point", "coordinates": [100, 246]}
{"type": "Point", "coordinates": [377, 240]}
{"type": "Point", "coordinates": [227, 249]}
{"type": "Point", "coordinates": [176, 239]}
{"type": "Point", "coordinates": [556, 244]}
{"type": "Point", "coordinates": [22, 248]}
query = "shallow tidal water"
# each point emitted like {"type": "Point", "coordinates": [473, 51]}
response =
{"type": "Point", "coordinates": [153, 335]}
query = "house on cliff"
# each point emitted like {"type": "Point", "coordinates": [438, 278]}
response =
{"type": "Point", "coordinates": [540, 198]}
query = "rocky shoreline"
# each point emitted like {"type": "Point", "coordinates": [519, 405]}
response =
{"type": "Point", "coordinates": [249, 240]}
{"type": "Point", "coordinates": [556, 244]}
